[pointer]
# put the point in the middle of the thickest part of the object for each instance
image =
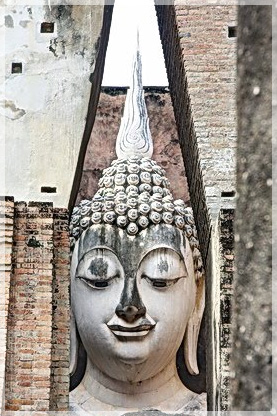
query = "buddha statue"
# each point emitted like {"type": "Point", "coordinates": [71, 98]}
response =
{"type": "Point", "coordinates": [137, 281]}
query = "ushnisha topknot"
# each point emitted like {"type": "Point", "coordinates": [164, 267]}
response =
{"type": "Point", "coordinates": [134, 194]}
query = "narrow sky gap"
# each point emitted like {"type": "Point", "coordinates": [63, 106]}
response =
{"type": "Point", "coordinates": [129, 15]}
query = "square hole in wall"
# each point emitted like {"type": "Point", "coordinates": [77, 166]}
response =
{"type": "Point", "coordinates": [232, 31]}
{"type": "Point", "coordinates": [228, 194]}
{"type": "Point", "coordinates": [16, 67]}
{"type": "Point", "coordinates": [47, 27]}
{"type": "Point", "coordinates": [48, 189]}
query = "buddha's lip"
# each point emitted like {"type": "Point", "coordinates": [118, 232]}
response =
{"type": "Point", "coordinates": [138, 328]}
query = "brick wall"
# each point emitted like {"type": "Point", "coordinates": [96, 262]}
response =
{"type": "Point", "coordinates": [178, 84]}
{"type": "Point", "coordinates": [201, 64]}
{"type": "Point", "coordinates": [37, 320]}
{"type": "Point", "coordinates": [61, 313]}
{"type": "Point", "coordinates": [6, 239]}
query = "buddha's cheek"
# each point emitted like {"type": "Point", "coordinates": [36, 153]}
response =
{"type": "Point", "coordinates": [171, 309]}
{"type": "Point", "coordinates": [92, 310]}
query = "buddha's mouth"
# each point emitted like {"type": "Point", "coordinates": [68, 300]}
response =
{"type": "Point", "coordinates": [136, 331]}
{"type": "Point", "coordinates": [140, 328]}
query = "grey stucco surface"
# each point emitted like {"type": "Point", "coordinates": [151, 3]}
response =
{"type": "Point", "coordinates": [251, 356]}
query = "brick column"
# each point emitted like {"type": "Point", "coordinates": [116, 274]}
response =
{"type": "Point", "coordinates": [30, 311]}
{"type": "Point", "coordinates": [61, 313]}
{"type": "Point", "coordinates": [6, 238]}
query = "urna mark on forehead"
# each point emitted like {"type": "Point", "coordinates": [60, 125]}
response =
{"type": "Point", "coordinates": [131, 247]}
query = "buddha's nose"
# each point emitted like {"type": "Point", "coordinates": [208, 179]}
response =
{"type": "Point", "coordinates": [130, 313]}
{"type": "Point", "coordinates": [130, 306]}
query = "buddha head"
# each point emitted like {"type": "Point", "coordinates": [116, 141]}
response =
{"type": "Point", "coordinates": [136, 272]}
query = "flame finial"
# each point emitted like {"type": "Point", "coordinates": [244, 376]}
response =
{"type": "Point", "coordinates": [134, 136]}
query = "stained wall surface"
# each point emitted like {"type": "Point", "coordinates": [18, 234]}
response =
{"type": "Point", "coordinates": [47, 91]}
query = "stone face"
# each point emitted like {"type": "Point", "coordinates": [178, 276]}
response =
{"type": "Point", "coordinates": [127, 322]}
{"type": "Point", "coordinates": [251, 354]}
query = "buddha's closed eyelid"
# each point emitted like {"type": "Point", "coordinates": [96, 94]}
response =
{"type": "Point", "coordinates": [102, 265]}
{"type": "Point", "coordinates": [98, 283]}
{"type": "Point", "coordinates": [164, 269]}
{"type": "Point", "coordinates": [159, 282]}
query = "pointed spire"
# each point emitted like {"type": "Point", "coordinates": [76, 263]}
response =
{"type": "Point", "coordinates": [134, 136]}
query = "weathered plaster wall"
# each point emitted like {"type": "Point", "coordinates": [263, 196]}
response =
{"type": "Point", "coordinates": [45, 106]}
{"type": "Point", "coordinates": [101, 147]}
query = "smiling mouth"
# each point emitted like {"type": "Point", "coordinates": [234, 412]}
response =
{"type": "Point", "coordinates": [136, 331]}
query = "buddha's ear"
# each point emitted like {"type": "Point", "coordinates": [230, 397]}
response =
{"type": "Point", "coordinates": [73, 345]}
{"type": "Point", "coordinates": [193, 327]}
{"type": "Point", "coordinates": [78, 356]}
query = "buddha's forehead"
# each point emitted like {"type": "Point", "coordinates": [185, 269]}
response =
{"type": "Point", "coordinates": [132, 247]}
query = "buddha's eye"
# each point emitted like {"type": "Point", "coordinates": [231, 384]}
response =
{"type": "Point", "coordinates": [162, 268]}
{"type": "Point", "coordinates": [98, 283]}
{"type": "Point", "coordinates": [161, 283]}
{"type": "Point", "coordinates": [99, 268]}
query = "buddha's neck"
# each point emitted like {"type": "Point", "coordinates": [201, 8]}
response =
{"type": "Point", "coordinates": [126, 394]}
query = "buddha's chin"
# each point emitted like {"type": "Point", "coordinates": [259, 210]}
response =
{"type": "Point", "coordinates": [131, 357]}
{"type": "Point", "coordinates": [128, 364]}
{"type": "Point", "coordinates": [132, 353]}
{"type": "Point", "coordinates": [132, 360]}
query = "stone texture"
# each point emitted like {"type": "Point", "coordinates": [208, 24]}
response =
{"type": "Point", "coordinates": [163, 129]}
{"type": "Point", "coordinates": [251, 354]}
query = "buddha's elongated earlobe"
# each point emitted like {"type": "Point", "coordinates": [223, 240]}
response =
{"type": "Point", "coordinates": [192, 331]}
{"type": "Point", "coordinates": [78, 356]}
{"type": "Point", "coordinates": [73, 345]}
